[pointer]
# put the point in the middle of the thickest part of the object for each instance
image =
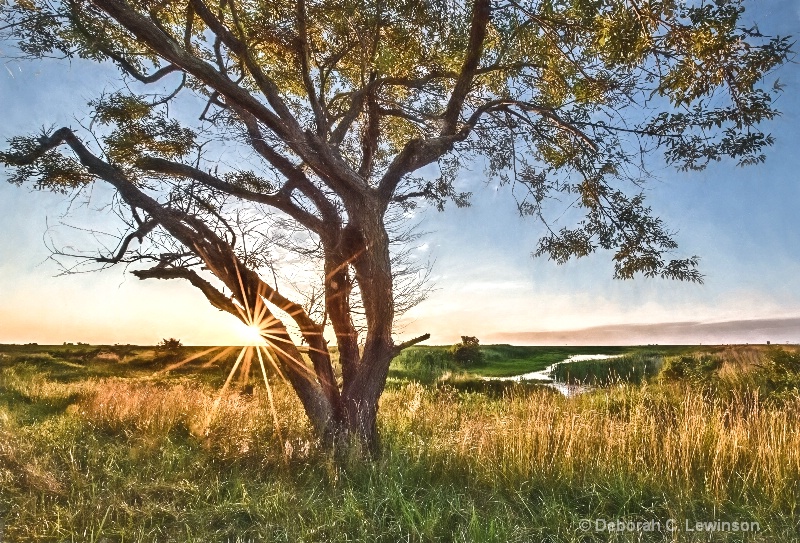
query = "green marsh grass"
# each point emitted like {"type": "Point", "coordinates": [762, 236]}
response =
{"type": "Point", "coordinates": [633, 368]}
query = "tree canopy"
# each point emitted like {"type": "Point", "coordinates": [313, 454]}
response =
{"type": "Point", "coordinates": [335, 117]}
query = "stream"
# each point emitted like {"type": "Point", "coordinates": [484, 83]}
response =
{"type": "Point", "coordinates": [544, 375]}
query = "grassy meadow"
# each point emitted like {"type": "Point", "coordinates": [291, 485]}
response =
{"type": "Point", "coordinates": [98, 444]}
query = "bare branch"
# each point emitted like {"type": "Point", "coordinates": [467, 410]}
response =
{"type": "Point", "coordinates": [411, 342]}
{"type": "Point", "coordinates": [217, 299]}
{"type": "Point", "coordinates": [144, 229]}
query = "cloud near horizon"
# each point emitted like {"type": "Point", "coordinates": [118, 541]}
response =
{"type": "Point", "coordinates": [776, 331]}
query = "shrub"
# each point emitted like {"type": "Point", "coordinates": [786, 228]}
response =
{"type": "Point", "coordinates": [170, 345]}
{"type": "Point", "coordinates": [783, 362]}
{"type": "Point", "coordinates": [779, 376]}
{"type": "Point", "coordinates": [691, 368]}
{"type": "Point", "coordinates": [468, 352]}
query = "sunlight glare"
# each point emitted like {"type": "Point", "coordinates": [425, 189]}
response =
{"type": "Point", "coordinates": [251, 335]}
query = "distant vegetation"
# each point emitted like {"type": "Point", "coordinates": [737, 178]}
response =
{"type": "Point", "coordinates": [631, 368]}
{"type": "Point", "coordinates": [468, 352]}
{"type": "Point", "coordinates": [94, 446]}
{"type": "Point", "coordinates": [170, 345]}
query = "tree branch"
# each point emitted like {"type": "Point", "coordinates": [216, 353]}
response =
{"type": "Point", "coordinates": [217, 299]}
{"type": "Point", "coordinates": [144, 228]}
{"type": "Point", "coordinates": [411, 342]}
{"type": "Point", "coordinates": [265, 84]}
{"type": "Point", "coordinates": [303, 57]}
{"type": "Point", "coordinates": [218, 256]}
{"type": "Point", "coordinates": [481, 12]}
{"type": "Point", "coordinates": [279, 200]}
{"type": "Point", "coordinates": [369, 140]}
{"type": "Point", "coordinates": [292, 173]}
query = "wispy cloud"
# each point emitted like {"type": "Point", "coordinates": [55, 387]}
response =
{"type": "Point", "coordinates": [676, 333]}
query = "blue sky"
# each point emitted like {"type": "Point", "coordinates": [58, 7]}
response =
{"type": "Point", "coordinates": [743, 222]}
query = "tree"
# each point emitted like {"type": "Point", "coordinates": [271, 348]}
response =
{"type": "Point", "coordinates": [339, 106]}
{"type": "Point", "coordinates": [171, 345]}
{"type": "Point", "coordinates": [468, 352]}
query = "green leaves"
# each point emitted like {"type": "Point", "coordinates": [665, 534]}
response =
{"type": "Point", "coordinates": [569, 97]}
{"type": "Point", "coordinates": [140, 127]}
{"type": "Point", "coordinates": [119, 108]}
{"type": "Point", "coordinates": [626, 226]}
{"type": "Point", "coordinates": [47, 171]}
{"type": "Point", "coordinates": [250, 181]}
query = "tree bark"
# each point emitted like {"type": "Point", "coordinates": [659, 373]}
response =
{"type": "Point", "coordinates": [373, 270]}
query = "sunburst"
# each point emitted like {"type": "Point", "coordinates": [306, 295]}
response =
{"type": "Point", "coordinates": [260, 332]}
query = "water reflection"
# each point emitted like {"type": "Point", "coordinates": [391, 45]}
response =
{"type": "Point", "coordinates": [545, 376]}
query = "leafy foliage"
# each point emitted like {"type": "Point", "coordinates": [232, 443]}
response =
{"type": "Point", "coordinates": [51, 170]}
{"type": "Point", "coordinates": [554, 106]}
{"type": "Point", "coordinates": [171, 345]}
{"type": "Point", "coordinates": [696, 368]}
{"type": "Point", "coordinates": [139, 128]}
{"type": "Point", "coordinates": [468, 352]}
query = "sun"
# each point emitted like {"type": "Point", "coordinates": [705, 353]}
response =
{"type": "Point", "coordinates": [251, 335]}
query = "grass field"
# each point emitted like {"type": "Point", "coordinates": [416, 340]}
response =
{"type": "Point", "coordinates": [97, 445]}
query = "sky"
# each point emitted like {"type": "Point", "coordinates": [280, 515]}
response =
{"type": "Point", "coordinates": [744, 223]}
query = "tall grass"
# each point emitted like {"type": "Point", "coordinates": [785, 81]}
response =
{"type": "Point", "coordinates": [632, 368]}
{"type": "Point", "coordinates": [133, 459]}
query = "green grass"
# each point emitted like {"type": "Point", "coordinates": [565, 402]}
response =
{"type": "Point", "coordinates": [104, 450]}
{"type": "Point", "coordinates": [507, 360]}
{"type": "Point", "coordinates": [633, 368]}
{"type": "Point", "coordinates": [423, 363]}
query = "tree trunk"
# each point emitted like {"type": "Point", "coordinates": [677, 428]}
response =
{"type": "Point", "coordinates": [360, 395]}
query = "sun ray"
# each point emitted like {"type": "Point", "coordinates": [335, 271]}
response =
{"type": "Point", "coordinates": [185, 361]}
{"type": "Point", "coordinates": [258, 312]}
{"type": "Point", "coordinates": [260, 316]}
{"type": "Point", "coordinates": [271, 403]}
{"type": "Point", "coordinates": [218, 399]}
{"type": "Point", "coordinates": [217, 357]}
{"type": "Point", "coordinates": [251, 335]}
{"type": "Point", "coordinates": [244, 293]}
{"type": "Point", "coordinates": [244, 373]}
{"type": "Point", "coordinates": [300, 363]}
{"type": "Point", "coordinates": [273, 362]}
{"type": "Point", "coordinates": [266, 335]}
{"type": "Point", "coordinates": [244, 316]}
{"type": "Point", "coordinates": [266, 323]}
{"type": "Point", "coordinates": [344, 264]}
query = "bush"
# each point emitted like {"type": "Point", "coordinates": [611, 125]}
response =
{"type": "Point", "coordinates": [691, 368]}
{"type": "Point", "coordinates": [468, 352]}
{"type": "Point", "coordinates": [783, 362]}
{"type": "Point", "coordinates": [779, 376]}
{"type": "Point", "coordinates": [170, 345]}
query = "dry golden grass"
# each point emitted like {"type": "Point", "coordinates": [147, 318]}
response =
{"type": "Point", "coordinates": [533, 458]}
{"type": "Point", "coordinates": [683, 441]}
{"type": "Point", "coordinates": [240, 427]}
{"type": "Point", "coordinates": [670, 435]}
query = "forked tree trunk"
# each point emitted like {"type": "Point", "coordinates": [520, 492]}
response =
{"type": "Point", "coordinates": [364, 374]}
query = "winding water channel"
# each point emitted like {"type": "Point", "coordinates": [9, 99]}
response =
{"type": "Point", "coordinates": [544, 376]}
